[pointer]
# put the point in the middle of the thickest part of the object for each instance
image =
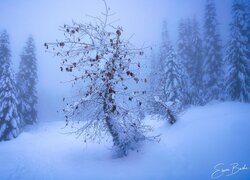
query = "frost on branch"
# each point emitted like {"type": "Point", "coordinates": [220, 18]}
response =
{"type": "Point", "coordinates": [169, 109]}
{"type": "Point", "coordinates": [103, 65]}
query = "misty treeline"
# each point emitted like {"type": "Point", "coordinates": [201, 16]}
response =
{"type": "Point", "coordinates": [111, 97]}
{"type": "Point", "coordinates": [198, 68]}
{"type": "Point", "coordinates": [18, 96]}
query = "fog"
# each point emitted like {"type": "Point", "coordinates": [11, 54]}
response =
{"type": "Point", "coordinates": [41, 18]}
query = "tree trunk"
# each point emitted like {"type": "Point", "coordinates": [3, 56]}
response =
{"type": "Point", "coordinates": [108, 120]}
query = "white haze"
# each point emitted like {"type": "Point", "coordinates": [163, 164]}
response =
{"type": "Point", "coordinates": [41, 18]}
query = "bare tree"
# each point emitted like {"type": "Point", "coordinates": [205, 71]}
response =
{"type": "Point", "coordinates": [104, 63]}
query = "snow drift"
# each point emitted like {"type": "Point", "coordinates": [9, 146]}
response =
{"type": "Point", "coordinates": [202, 138]}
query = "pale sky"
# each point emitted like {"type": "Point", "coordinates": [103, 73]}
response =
{"type": "Point", "coordinates": [41, 18]}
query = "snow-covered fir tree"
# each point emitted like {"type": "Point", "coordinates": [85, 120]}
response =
{"type": "Point", "coordinates": [156, 84]}
{"type": "Point", "coordinates": [174, 85]}
{"type": "Point", "coordinates": [213, 64]}
{"type": "Point", "coordinates": [190, 57]}
{"type": "Point", "coordinates": [98, 57]}
{"type": "Point", "coordinates": [168, 80]}
{"type": "Point", "coordinates": [237, 58]}
{"type": "Point", "coordinates": [157, 78]}
{"type": "Point", "coordinates": [26, 83]}
{"type": "Point", "coordinates": [197, 64]}
{"type": "Point", "coordinates": [185, 45]}
{"type": "Point", "coordinates": [162, 63]}
{"type": "Point", "coordinates": [9, 117]}
{"type": "Point", "coordinates": [247, 2]}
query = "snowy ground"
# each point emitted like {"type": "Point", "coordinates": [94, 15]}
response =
{"type": "Point", "coordinates": [202, 138]}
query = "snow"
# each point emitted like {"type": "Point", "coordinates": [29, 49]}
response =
{"type": "Point", "coordinates": [202, 138]}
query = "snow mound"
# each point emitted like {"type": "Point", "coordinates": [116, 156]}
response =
{"type": "Point", "coordinates": [202, 138]}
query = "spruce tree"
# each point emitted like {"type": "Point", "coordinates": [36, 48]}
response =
{"type": "Point", "coordinates": [161, 71]}
{"type": "Point", "coordinates": [155, 85]}
{"type": "Point", "coordinates": [157, 77]}
{"type": "Point", "coordinates": [213, 66]}
{"type": "Point", "coordinates": [185, 45]}
{"type": "Point", "coordinates": [9, 117]}
{"type": "Point", "coordinates": [190, 57]}
{"type": "Point", "coordinates": [174, 95]}
{"type": "Point", "coordinates": [26, 83]}
{"type": "Point", "coordinates": [174, 87]}
{"type": "Point", "coordinates": [196, 61]}
{"type": "Point", "coordinates": [238, 79]}
{"type": "Point", "coordinates": [184, 55]}
{"type": "Point", "coordinates": [248, 28]}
